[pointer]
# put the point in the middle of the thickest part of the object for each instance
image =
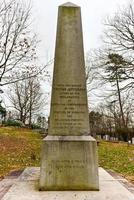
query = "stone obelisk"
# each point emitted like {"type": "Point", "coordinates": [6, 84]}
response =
{"type": "Point", "coordinates": [69, 158]}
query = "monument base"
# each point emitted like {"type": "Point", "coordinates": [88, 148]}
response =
{"type": "Point", "coordinates": [69, 163]}
{"type": "Point", "coordinates": [26, 188]}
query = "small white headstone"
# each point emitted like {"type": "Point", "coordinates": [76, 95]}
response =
{"type": "Point", "coordinates": [107, 137]}
{"type": "Point", "coordinates": [99, 137]}
{"type": "Point", "coordinates": [129, 141]}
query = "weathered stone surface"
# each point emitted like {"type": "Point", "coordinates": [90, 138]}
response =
{"type": "Point", "coordinates": [69, 158]}
{"type": "Point", "coordinates": [69, 110]}
{"type": "Point", "coordinates": [8, 181]}
{"type": "Point", "coordinates": [69, 163]}
{"type": "Point", "coordinates": [69, 4]}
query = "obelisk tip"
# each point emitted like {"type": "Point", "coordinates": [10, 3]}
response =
{"type": "Point", "coordinates": [69, 4]}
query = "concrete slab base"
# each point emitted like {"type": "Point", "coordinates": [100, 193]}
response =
{"type": "Point", "coordinates": [26, 189]}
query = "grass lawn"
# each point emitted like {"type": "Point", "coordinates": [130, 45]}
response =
{"type": "Point", "coordinates": [21, 147]}
{"type": "Point", "coordinates": [118, 157]}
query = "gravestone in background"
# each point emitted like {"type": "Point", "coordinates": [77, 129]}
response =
{"type": "Point", "coordinates": [69, 159]}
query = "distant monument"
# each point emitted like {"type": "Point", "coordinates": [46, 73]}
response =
{"type": "Point", "coordinates": [69, 158]}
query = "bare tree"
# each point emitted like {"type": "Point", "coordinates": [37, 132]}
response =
{"type": "Point", "coordinates": [93, 79]}
{"type": "Point", "coordinates": [91, 71]}
{"type": "Point", "coordinates": [119, 37]}
{"type": "Point", "coordinates": [17, 43]}
{"type": "Point", "coordinates": [112, 68]}
{"type": "Point", "coordinates": [110, 121]}
{"type": "Point", "coordinates": [109, 68]}
{"type": "Point", "coordinates": [26, 98]}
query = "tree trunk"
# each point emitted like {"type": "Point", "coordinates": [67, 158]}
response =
{"type": "Point", "coordinates": [120, 101]}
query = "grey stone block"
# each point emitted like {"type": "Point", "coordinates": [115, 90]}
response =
{"type": "Point", "coordinates": [69, 163]}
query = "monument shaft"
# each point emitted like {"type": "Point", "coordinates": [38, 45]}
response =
{"type": "Point", "coordinates": [69, 158]}
{"type": "Point", "coordinates": [69, 109]}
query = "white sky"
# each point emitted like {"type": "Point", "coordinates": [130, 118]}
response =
{"type": "Point", "coordinates": [93, 13]}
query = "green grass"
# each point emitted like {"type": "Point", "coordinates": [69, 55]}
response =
{"type": "Point", "coordinates": [20, 148]}
{"type": "Point", "coordinates": [118, 157]}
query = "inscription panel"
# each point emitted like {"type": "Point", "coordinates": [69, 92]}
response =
{"type": "Point", "coordinates": [69, 111]}
{"type": "Point", "coordinates": [68, 164]}
{"type": "Point", "coordinates": [66, 156]}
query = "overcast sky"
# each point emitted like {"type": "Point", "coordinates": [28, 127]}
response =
{"type": "Point", "coordinates": [93, 13]}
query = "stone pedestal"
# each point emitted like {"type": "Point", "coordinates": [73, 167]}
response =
{"type": "Point", "coordinates": [69, 163]}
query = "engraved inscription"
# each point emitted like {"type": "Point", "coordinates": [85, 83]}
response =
{"type": "Point", "coordinates": [67, 164]}
{"type": "Point", "coordinates": [68, 109]}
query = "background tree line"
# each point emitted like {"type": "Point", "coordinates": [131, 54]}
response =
{"type": "Point", "coordinates": [111, 69]}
